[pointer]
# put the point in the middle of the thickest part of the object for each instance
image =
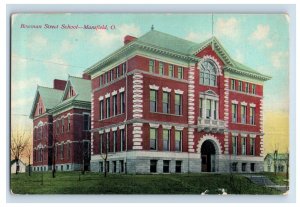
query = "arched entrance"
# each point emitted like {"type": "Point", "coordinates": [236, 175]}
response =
{"type": "Point", "coordinates": [208, 157]}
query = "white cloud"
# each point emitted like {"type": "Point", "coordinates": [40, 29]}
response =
{"type": "Point", "coordinates": [239, 56]}
{"type": "Point", "coordinates": [37, 42]}
{"type": "Point", "coordinates": [66, 46]}
{"type": "Point", "coordinates": [197, 37]}
{"type": "Point", "coordinates": [106, 38]}
{"type": "Point", "coordinates": [227, 27]}
{"type": "Point", "coordinates": [24, 84]}
{"type": "Point", "coordinates": [18, 62]}
{"type": "Point", "coordinates": [262, 34]}
{"type": "Point", "coordinates": [280, 59]}
{"type": "Point", "coordinates": [21, 102]}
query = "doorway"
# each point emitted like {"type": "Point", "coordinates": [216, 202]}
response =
{"type": "Point", "coordinates": [208, 156]}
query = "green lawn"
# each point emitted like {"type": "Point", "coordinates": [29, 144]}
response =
{"type": "Point", "coordinates": [94, 183]}
{"type": "Point", "coordinates": [279, 178]}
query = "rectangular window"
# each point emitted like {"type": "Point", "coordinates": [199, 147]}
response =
{"type": "Point", "coordinates": [68, 150]}
{"type": "Point", "coordinates": [234, 113]}
{"type": "Point", "coordinates": [247, 87]}
{"type": "Point", "coordinates": [252, 146]}
{"type": "Point", "coordinates": [252, 115]}
{"type": "Point", "coordinates": [166, 140]}
{"type": "Point", "coordinates": [208, 108]}
{"type": "Point", "coordinates": [122, 102]}
{"type": "Point", "coordinates": [101, 110]}
{"type": "Point", "coordinates": [171, 70]}
{"type": "Point", "coordinates": [161, 68]}
{"type": "Point", "coordinates": [106, 77]}
{"type": "Point", "coordinates": [253, 89]}
{"type": "Point", "coordinates": [180, 72]}
{"type": "Point", "coordinates": [100, 143]}
{"type": "Point", "coordinates": [234, 145]}
{"type": "Point", "coordinates": [69, 122]}
{"type": "Point", "coordinates": [151, 66]}
{"type": "Point", "coordinates": [206, 79]}
{"type": "Point", "coordinates": [153, 138]}
{"type": "Point", "coordinates": [240, 85]}
{"type": "Point", "coordinates": [244, 167]}
{"type": "Point", "coordinates": [115, 105]}
{"type": "Point", "coordinates": [178, 166]}
{"type": "Point", "coordinates": [232, 84]}
{"type": "Point", "coordinates": [108, 147]}
{"type": "Point", "coordinates": [244, 145]}
{"type": "Point", "coordinates": [124, 68]}
{"type": "Point", "coordinates": [117, 72]}
{"type": "Point", "coordinates": [153, 166]}
{"type": "Point", "coordinates": [123, 140]}
{"type": "Point", "coordinates": [215, 109]}
{"type": "Point", "coordinates": [114, 166]}
{"type": "Point", "coordinates": [115, 141]}
{"type": "Point", "coordinates": [234, 167]}
{"type": "Point", "coordinates": [201, 78]}
{"type": "Point", "coordinates": [108, 107]}
{"type": "Point", "coordinates": [86, 122]}
{"type": "Point", "coordinates": [243, 114]}
{"type": "Point", "coordinates": [252, 167]}
{"type": "Point", "coordinates": [166, 102]}
{"type": "Point", "coordinates": [57, 128]}
{"type": "Point", "coordinates": [213, 80]}
{"type": "Point", "coordinates": [62, 125]}
{"type": "Point", "coordinates": [62, 151]}
{"type": "Point", "coordinates": [101, 83]}
{"type": "Point", "coordinates": [178, 104]}
{"type": "Point", "coordinates": [166, 166]}
{"type": "Point", "coordinates": [121, 166]}
{"type": "Point", "coordinates": [101, 167]}
{"type": "Point", "coordinates": [178, 141]}
{"type": "Point", "coordinates": [153, 100]}
{"type": "Point", "coordinates": [56, 151]}
{"type": "Point", "coordinates": [111, 74]}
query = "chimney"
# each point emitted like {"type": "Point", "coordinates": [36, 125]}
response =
{"type": "Point", "coordinates": [86, 76]}
{"type": "Point", "coordinates": [59, 84]}
{"type": "Point", "coordinates": [128, 39]}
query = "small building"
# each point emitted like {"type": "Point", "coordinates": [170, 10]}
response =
{"type": "Point", "coordinates": [17, 166]}
{"type": "Point", "coordinates": [276, 163]}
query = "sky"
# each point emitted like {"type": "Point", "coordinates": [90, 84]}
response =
{"type": "Point", "coordinates": [40, 55]}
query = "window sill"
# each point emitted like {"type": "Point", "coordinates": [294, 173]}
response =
{"type": "Point", "coordinates": [111, 117]}
{"type": "Point", "coordinates": [243, 124]}
{"type": "Point", "coordinates": [165, 114]}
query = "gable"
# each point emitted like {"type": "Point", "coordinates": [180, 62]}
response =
{"type": "Point", "coordinates": [39, 106]}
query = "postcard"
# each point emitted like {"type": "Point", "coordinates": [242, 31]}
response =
{"type": "Point", "coordinates": [149, 103]}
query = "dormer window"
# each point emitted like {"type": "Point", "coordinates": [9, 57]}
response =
{"type": "Point", "coordinates": [208, 73]}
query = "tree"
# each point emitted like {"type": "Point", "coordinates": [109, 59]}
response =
{"type": "Point", "coordinates": [28, 153]}
{"type": "Point", "coordinates": [18, 144]}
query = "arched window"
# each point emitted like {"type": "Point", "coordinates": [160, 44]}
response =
{"type": "Point", "coordinates": [208, 73]}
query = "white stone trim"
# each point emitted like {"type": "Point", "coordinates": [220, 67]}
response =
{"type": "Point", "coordinates": [252, 105]}
{"type": "Point", "coordinates": [244, 103]}
{"type": "Point", "coordinates": [252, 135]}
{"type": "Point", "coordinates": [244, 135]}
{"type": "Point", "coordinates": [179, 128]}
{"type": "Point", "coordinates": [114, 128]}
{"type": "Point", "coordinates": [152, 125]}
{"type": "Point", "coordinates": [234, 101]}
{"type": "Point", "coordinates": [101, 98]}
{"type": "Point", "coordinates": [210, 57]}
{"type": "Point", "coordinates": [166, 89]}
{"type": "Point", "coordinates": [214, 140]}
{"type": "Point", "coordinates": [178, 91]}
{"type": "Point", "coordinates": [107, 130]}
{"type": "Point", "coordinates": [122, 89]}
{"type": "Point", "coordinates": [234, 133]}
{"type": "Point", "coordinates": [121, 126]}
{"type": "Point", "coordinates": [166, 126]}
{"type": "Point", "coordinates": [107, 95]}
{"type": "Point", "coordinates": [137, 124]}
{"type": "Point", "coordinates": [101, 131]}
{"type": "Point", "coordinates": [114, 93]}
{"type": "Point", "coordinates": [154, 87]}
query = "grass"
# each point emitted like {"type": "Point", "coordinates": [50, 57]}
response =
{"type": "Point", "coordinates": [95, 183]}
{"type": "Point", "coordinates": [279, 178]}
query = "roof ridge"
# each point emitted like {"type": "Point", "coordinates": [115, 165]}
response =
{"type": "Point", "coordinates": [48, 88]}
